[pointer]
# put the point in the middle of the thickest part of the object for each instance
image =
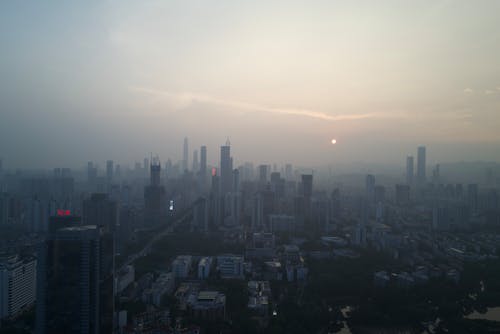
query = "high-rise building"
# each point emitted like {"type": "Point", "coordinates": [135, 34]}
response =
{"type": "Point", "coordinates": [409, 170]}
{"type": "Point", "coordinates": [75, 282]}
{"type": "Point", "coordinates": [262, 174]}
{"type": "Point", "coordinates": [155, 196]}
{"type": "Point", "coordinates": [307, 185]}
{"type": "Point", "coordinates": [421, 165]}
{"type": "Point", "coordinates": [195, 161]}
{"type": "Point", "coordinates": [472, 192]}
{"type": "Point", "coordinates": [109, 170]}
{"type": "Point", "coordinates": [145, 166]}
{"type": "Point", "coordinates": [101, 211]}
{"type": "Point", "coordinates": [17, 285]}
{"type": "Point", "coordinates": [185, 157]}
{"type": "Point", "coordinates": [226, 169]}
{"type": "Point", "coordinates": [203, 166]}
{"type": "Point", "coordinates": [91, 172]}
{"type": "Point", "coordinates": [288, 172]}
{"type": "Point", "coordinates": [370, 187]}
{"type": "Point", "coordinates": [402, 194]}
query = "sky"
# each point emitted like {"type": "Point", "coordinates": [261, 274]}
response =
{"type": "Point", "coordinates": [118, 79]}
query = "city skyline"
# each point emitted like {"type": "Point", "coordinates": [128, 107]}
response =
{"type": "Point", "coordinates": [103, 80]}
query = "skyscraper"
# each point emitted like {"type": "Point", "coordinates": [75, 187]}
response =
{"type": "Point", "coordinates": [307, 185]}
{"type": "Point", "coordinates": [262, 174]}
{"type": "Point", "coordinates": [203, 166]}
{"type": "Point", "coordinates": [155, 196]}
{"type": "Point", "coordinates": [109, 170]}
{"type": "Point", "coordinates": [195, 161]}
{"type": "Point", "coordinates": [421, 165]}
{"type": "Point", "coordinates": [409, 170]}
{"type": "Point", "coordinates": [73, 283]}
{"type": "Point", "coordinates": [101, 211]}
{"type": "Point", "coordinates": [185, 153]}
{"type": "Point", "coordinates": [370, 187]}
{"type": "Point", "coordinates": [226, 169]}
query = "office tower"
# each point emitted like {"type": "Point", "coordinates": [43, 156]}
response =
{"type": "Point", "coordinates": [200, 214]}
{"type": "Point", "coordinates": [109, 170]}
{"type": "Point", "coordinates": [145, 167]}
{"type": "Point", "coordinates": [63, 218]}
{"type": "Point", "coordinates": [379, 194]}
{"type": "Point", "coordinates": [436, 174]}
{"type": "Point", "coordinates": [263, 174]}
{"type": "Point", "coordinates": [74, 272]}
{"type": "Point", "coordinates": [472, 192]}
{"type": "Point", "coordinates": [101, 211]}
{"type": "Point", "coordinates": [203, 166]}
{"type": "Point", "coordinates": [91, 172]}
{"type": "Point", "coordinates": [402, 194]}
{"type": "Point", "coordinates": [307, 185]}
{"type": "Point", "coordinates": [370, 187]}
{"type": "Point", "coordinates": [17, 284]}
{"type": "Point", "coordinates": [215, 198]}
{"type": "Point", "coordinates": [226, 169]}
{"type": "Point", "coordinates": [236, 180]}
{"type": "Point", "coordinates": [185, 152]}
{"type": "Point", "coordinates": [195, 161]}
{"type": "Point", "coordinates": [118, 171]}
{"type": "Point", "coordinates": [409, 170]}
{"type": "Point", "coordinates": [288, 172]}
{"type": "Point", "coordinates": [1, 166]}
{"type": "Point", "coordinates": [421, 165]}
{"type": "Point", "coordinates": [155, 196]}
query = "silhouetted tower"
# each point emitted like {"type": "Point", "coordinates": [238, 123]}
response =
{"type": "Point", "coordinates": [307, 186]}
{"type": "Point", "coordinates": [409, 169]}
{"type": "Point", "coordinates": [75, 282]}
{"type": "Point", "coordinates": [421, 165]}
{"type": "Point", "coordinates": [155, 173]}
{"type": "Point", "coordinates": [370, 187]}
{"type": "Point", "coordinates": [195, 161]}
{"type": "Point", "coordinates": [226, 169]}
{"type": "Point", "coordinates": [262, 174]}
{"type": "Point", "coordinates": [185, 155]}
{"type": "Point", "coordinates": [203, 165]}
{"type": "Point", "coordinates": [109, 170]}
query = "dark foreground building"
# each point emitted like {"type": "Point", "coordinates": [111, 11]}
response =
{"type": "Point", "coordinates": [75, 282]}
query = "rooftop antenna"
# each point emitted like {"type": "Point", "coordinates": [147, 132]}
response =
{"type": "Point", "coordinates": [228, 143]}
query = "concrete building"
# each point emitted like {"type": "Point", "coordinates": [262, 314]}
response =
{"type": "Point", "coordinates": [181, 266]}
{"type": "Point", "coordinates": [204, 267]}
{"type": "Point", "coordinates": [75, 282]}
{"type": "Point", "coordinates": [230, 266]}
{"type": "Point", "coordinates": [17, 285]}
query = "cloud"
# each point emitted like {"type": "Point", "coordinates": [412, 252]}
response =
{"type": "Point", "coordinates": [468, 91]}
{"type": "Point", "coordinates": [182, 100]}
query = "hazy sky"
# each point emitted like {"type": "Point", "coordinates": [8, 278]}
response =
{"type": "Point", "coordinates": [93, 80]}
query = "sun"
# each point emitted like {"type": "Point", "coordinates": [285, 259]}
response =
{"type": "Point", "coordinates": [334, 141]}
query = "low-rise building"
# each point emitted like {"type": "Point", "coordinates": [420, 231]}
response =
{"type": "Point", "coordinates": [204, 267]}
{"type": "Point", "coordinates": [181, 266]}
{"type": "Point", "coordinates": [208, 305]}
{"type": "Point", "coordinates": [230, 266]}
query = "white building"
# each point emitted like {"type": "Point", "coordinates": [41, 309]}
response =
{"type": "Point", "coordinates": [204, 267]}
{"type": "Point", "coordinates": [17, 285]}
{"type": "Point", "coordinates": [181, 266]}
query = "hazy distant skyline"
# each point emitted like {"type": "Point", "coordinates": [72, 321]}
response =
{"type": "Point", "coordinates": [99, 80]}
